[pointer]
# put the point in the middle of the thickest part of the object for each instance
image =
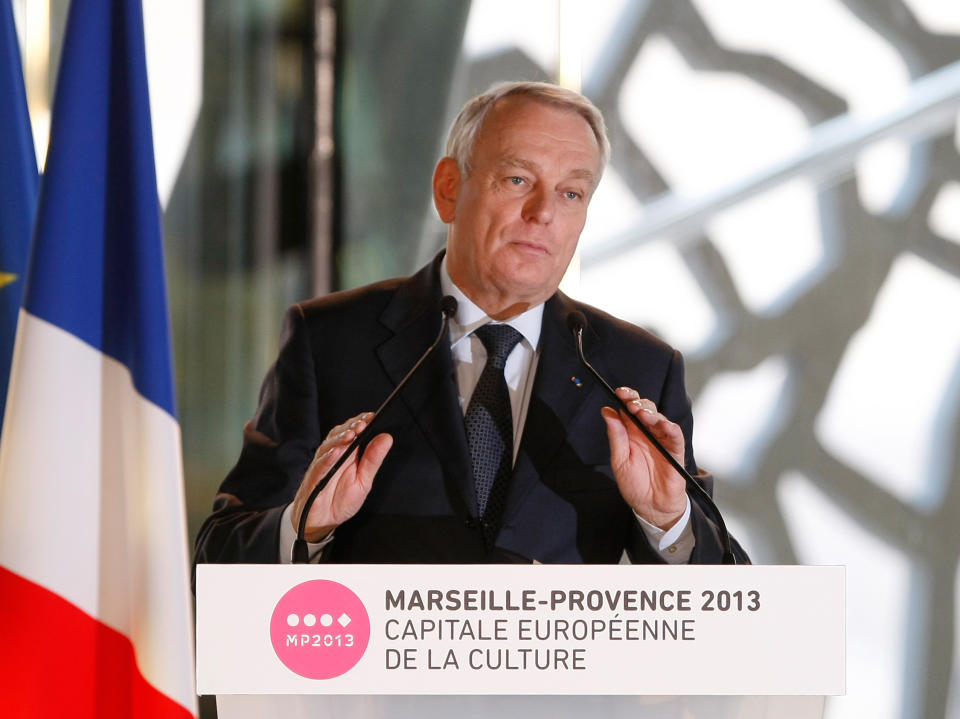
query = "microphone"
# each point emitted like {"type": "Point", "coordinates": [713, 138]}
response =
{"type": "Point", "coordinates": [301, 554]}
{"type": "Point", "coordinates": [576, 323]}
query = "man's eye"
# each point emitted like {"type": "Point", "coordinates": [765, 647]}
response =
{"type": "Point", "coordinates": [515, 180]}
{"type": "Point", "coordinates": [571, 195]}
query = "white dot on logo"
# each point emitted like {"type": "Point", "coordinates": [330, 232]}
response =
{"type": "Point", "coordinates": [309, 620]}
{"type": "Point", "coordinates": [326, 620]}
{"type": "Point", "coordinates": [292, 620]}
{"type": "Point", "coordinates": [344, 620]}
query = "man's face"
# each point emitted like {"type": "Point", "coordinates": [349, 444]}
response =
{"type": "Point", "coordinates": [516, 219]}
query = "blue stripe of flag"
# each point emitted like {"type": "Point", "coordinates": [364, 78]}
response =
{"type": "Point", "coordinates": [97, 261]}
{"type": "Point", "coordinates": [18, 190]}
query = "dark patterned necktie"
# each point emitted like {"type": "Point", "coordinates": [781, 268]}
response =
{"type": "Point", "coordinates": [489, 422]}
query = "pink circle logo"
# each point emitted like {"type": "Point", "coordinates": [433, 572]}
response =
{"type": "Point", "coordinates": [320, 629]}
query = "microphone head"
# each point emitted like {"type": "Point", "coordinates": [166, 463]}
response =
{"type": "Point", "coordinates": [576, 322]}
{"type": "Point", "coordinates": [448, 306]}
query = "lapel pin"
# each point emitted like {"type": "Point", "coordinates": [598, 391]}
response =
{"type": "Point", "coordinates": [577, 381]}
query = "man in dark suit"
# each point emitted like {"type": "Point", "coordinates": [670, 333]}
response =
{"type": "Point", "coordinates": [501, 448]}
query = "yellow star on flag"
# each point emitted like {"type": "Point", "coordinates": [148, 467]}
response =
{"type": "Point", "coordinates": [6, 278]}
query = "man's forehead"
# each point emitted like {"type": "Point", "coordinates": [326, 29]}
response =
{"type": "Point", "coordinates": [505, 127]}
{"type": "Point", "coordinates": [505, 110]}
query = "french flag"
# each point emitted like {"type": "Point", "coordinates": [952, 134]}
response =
{"type": "Point", "coordinates": [94, 589]}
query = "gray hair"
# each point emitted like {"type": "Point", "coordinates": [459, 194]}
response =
{"type": "Point", "coordinates": [463, 133]}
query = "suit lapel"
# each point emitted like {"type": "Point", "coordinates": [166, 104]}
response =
{"type": "Point", "coordinates": [431, 396]}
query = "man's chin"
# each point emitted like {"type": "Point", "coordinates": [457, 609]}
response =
{"type": "Point", "coordinates": [531, 291]}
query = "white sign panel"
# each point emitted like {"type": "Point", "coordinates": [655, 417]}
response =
{"type": "Point", "coordinates": [509, 629]}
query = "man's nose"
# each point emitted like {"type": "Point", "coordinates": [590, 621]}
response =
{"type": "Point", "coordinates": [539, 206]}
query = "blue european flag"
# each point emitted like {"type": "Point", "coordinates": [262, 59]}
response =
{"type": "Point", "coordinates": [18, 191]}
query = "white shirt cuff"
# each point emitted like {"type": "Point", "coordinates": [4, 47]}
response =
{"type": "Point", "coordinates": [288, 535]}
{"type": "Point", "coordinates": [676, 544]}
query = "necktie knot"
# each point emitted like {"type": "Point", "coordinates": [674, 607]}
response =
{"type": "Point", "coordinates": [499, 341]}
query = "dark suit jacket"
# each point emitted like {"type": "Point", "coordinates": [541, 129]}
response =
{"type": "Point", "coordinates": [343, 354]}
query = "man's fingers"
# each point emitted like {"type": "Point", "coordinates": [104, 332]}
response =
{"type": "Point", "coordinates": [645, 410]}
{"type": "Point", "coordinates": [627, 394]}
{"type": "Point", "coordinates": [372, 459]}
{"type": "Point", "coordinates": [616, 434]}
{"type": "Point", "coordinates": [344, 433]}
{"type": "Point", "coordinates": [336, 441]}
{"type": "Point", "coordinates": [321, 464]}
{"type": "Point", "coordinates": [620, 426]}
{"type": "Point", "coordinates": [640, 406]}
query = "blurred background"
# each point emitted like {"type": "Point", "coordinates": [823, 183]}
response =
{"type": "Point", "coordinates": [783, 205]}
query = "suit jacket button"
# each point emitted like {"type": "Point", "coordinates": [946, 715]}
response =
{"type": "Point", "coordinates": [471, 523]}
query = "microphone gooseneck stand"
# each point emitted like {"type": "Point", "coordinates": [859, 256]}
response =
{"type": "Point", "coordinates": [576, 323]}
{"type": "Point", "coordinates": [301, 554]}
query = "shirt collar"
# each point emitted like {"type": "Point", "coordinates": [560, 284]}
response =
{"type": "Point", "coordinates": [469, 317]}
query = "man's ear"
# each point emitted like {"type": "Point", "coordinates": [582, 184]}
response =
{"type": "Point", "coordinates": [446, 187]}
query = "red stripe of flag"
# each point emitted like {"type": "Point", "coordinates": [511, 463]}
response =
{"type": "Point", "coordinates": [58, 661]}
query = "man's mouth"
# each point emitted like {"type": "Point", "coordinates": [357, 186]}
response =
{"type": "Point", "coordinates": [534, 247]}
